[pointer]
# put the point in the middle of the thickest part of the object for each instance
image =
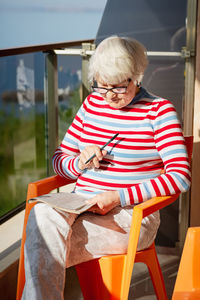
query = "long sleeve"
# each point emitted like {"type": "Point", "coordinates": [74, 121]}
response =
{"type": "Point", "coordinates": [169, 143]}
{"type": "Point", "coordinates": [65, 158]}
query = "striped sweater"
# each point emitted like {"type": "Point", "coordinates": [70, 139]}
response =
{"type": "Point", "coordinates": [150, 140]}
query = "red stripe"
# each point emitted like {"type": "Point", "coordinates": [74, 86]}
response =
{"type": "Point", "coordinates": [138, 191]}
{"type": "Point", "coordinates": [130, 193]}
{"type": "Point", "coordinates": [176, 159]}
{"type": "Point", "coordinates": [168, 144]}
{"type": "Point", "coordinates": [101, 103]}
{"type": "Point", "coordinates": [121, 163]}
{"type": "Point", "coordinates": [104, 183]}
{"type": "Point", "coordinates": [70, 132]}
{"type": "Point", "coordinates": [117, 145]}
{"type": "Point", "coordinates": [169, 135]}
{"type": "Point", "coordinates": [119, 117]}
{"type": "Point", "coordinates": [167, 191]}
{"type": "Point", "coordinates": [75, 126]}
{"type": "Point", "coordinates": [69, 148]}
{"type": "Point", "coordinates": [171, 180]}
{"type": "Point", "coordinates": [136, 109]}
{"type": "Point", "coordinates": [119, 137]}
{"type": "Point", "coordinates": [155, 187]}
{"type": "Point", "coordinates": [87, 188]}
{"type": "Point", "coordinates": [167, 127]}
{"type": "Point", "coordinates": [166, 110]}
{"type": "Point", "coordinates": [78, 119]}
{"type": "Point", "coordinates": [135, 170]}
{"type": "Point", "coordinates": [185, 174]}
{"type": "Point", "coordinates": [73, 169]}
{"type": "Point", "coordinates": [174, 165]}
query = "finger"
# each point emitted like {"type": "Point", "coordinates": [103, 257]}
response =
{"type": "Point", "coordinates": [83, 157]}
{"type": "Point", "coordinates": [100, 153]}
{"type": "Point", "coordinates": [95, 162]}
{"type": "Point", "coordinates": [104, 152]}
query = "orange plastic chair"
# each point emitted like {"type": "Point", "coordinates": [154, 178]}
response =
{"type": "Point", "coordinates": [108, 277]}
{"type": "Point", "coordinates": [187, 284]}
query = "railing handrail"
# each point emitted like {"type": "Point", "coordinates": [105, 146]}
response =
{"type": "Point", "coordinates": [42, 47]}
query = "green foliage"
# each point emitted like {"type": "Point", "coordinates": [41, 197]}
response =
{"type": "Point", "coordinates": [22, 156]}
{"type": "Point", "coordinates": [68, 112]}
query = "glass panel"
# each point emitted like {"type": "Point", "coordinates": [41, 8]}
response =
{"type": "Point", "coordinates": [165, 77]}
{"type": "Point", "coordinates": [22, 123]}
{"type": "Point", "coordinates": [69, 90]}
{"type": "Point", "coordinates": [154, 23]}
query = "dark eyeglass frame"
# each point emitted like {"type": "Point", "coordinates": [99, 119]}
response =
{"type": "Point", "coordinates": [115, 90]}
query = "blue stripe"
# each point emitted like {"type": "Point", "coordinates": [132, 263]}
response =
{"type": "Point", "coordinates": [100, 174]}
{"type": "Point", "coordinates": [70, 141]}
{"type": "Point", "coordinates": [122, 197]}
{"type": "Point", "coordinates": [118, 125]}
{"type": "Point", "coordinates": [127, 155]}
{"type": "Point", "coordinates": [173, 152]}
{"type": "Point", "coordinates": [166, 119]}
{"type": "Point", "coordinates": [133, 155]}
{"type": "Point", "coordinates": [147, 190]}
{"type": "Point", "coordinates": [183, 183]}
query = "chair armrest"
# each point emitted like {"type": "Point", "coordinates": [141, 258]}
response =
{"type": "Point", "coordinates": [150, 206]}
{"type": "Point", "coordinates": [46, 185]}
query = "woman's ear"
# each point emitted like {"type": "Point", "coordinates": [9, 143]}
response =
{"type": "Point", "coordinates": [138, 84]}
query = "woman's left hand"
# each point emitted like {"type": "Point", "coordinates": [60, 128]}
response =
{"type": "Point", "coordinates": [104, 202]}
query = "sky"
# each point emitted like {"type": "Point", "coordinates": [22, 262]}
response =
{"type": "Point", "coordinates": [33, 22]}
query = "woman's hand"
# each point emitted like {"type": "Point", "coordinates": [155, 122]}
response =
{"type": "Point", "coordinates": [87, 153]}
{"type": "Point", "coordinates": [104, 202]}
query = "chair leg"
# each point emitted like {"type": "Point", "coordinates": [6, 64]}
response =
{"type": "Point", "coordinates": [149, 257]}
{"type": "Point", "coordinates": [101, 278]}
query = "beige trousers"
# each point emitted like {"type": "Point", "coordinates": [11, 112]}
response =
{"type": "Point", "coordinates": [56, 240]}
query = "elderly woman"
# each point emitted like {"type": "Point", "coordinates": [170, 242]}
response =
{"type": "Point", "coordinates": [128, 171]}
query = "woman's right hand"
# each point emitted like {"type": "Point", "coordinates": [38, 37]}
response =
{"type": "Point", "coordinates": [87, 153]}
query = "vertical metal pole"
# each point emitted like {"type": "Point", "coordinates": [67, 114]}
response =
{"type": "Point", "coordinates": [190, 67]}
{"type": "Point", "coordinates": [51, 100]}
{"type": "Point", "coordinates": [85, 89]}
{"type": "Point", "coordinates": [195, 188]}
{"type": "Point", "coordinates": [188, 104]}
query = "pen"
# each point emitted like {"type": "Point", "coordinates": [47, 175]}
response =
{"type": "Point", "coordinates": [108, 142]}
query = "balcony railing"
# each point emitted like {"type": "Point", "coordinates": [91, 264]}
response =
{"type": "Point", "coordinates": [83, 48]}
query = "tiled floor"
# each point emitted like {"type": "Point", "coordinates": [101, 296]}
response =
{"type": "Point", "coordinates": [141, 286]}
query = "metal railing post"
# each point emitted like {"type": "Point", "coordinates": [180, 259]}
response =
{"type": "Point", "coordinates": [188, 105]}
{"type": "Point", "coordinates": [85, 89]}
{"type": "Point", "coordinates": [51, 101]}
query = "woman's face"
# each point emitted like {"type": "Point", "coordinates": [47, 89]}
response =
{"type": "Point", "coordinates": [120, 100]}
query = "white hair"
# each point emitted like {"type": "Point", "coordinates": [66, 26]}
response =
{"type": "Point", "coordinates": [117, 59]}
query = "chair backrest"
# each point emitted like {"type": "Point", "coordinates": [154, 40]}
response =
{"type": "Point", "coordinates": [189, 146]}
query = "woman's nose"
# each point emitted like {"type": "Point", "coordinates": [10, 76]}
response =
{"type": "Point", "coordinates": [110, 94]}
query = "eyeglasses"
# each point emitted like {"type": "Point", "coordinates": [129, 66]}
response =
{"type": "Point", "coordinates": [115, 90]}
